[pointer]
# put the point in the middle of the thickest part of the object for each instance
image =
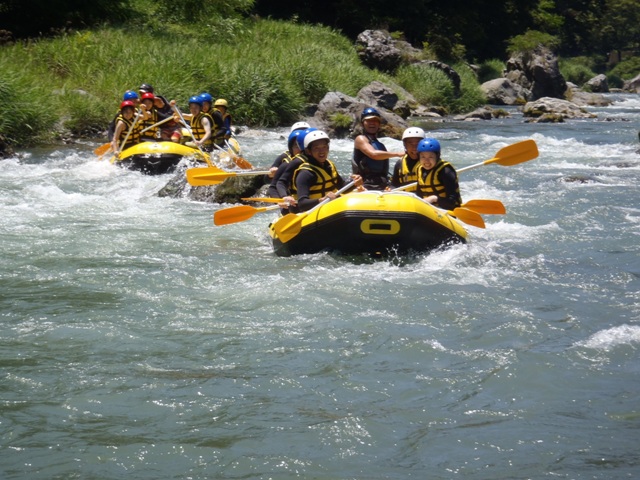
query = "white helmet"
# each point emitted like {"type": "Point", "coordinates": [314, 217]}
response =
{"type": "Point", "coordinates": [300, 126]}
{"type": "Point", "coordinates": [413, 132]}
{"type": "Point", "coordinates": [313, 136]}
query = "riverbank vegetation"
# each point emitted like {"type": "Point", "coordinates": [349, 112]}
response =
{"type": "Point", "coordinates": [63, 71]}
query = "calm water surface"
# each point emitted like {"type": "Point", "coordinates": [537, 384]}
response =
{"type": "Point", "coordinates": [140, 341]}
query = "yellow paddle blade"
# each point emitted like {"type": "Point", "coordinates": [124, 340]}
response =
{"type": "Point", "coordinates": [238, 214]}
{"type": "Point", "coordinates": [213, 175]}
{"type": "Point", "coordinates": [487, 207]}
{"type": "Point", "coordinates": [468, 216]}
{"type": "Point", "coordinates": [199, 176]}
{"type": "Point", "coordinates": [102, 149]}
{"type": "Point", "coordinates": [241, 162]}
{"type": "Point", "coordinates": [288, 226]}
{"type": "Point", "coordinates": [510, 155]}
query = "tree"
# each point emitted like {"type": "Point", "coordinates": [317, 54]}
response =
{"type": "Point", "coordinates": [32, 18]}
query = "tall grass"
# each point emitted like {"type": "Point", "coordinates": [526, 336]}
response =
{"type": "Point", "coordinates": [430, 86]}
{"type": "Point", "coordinates": [268, 73]}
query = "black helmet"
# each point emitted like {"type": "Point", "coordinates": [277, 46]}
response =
{"type": "Point", "coordinates": [145, 87]}
{"type": "Point", "coordinates": [369, 112]}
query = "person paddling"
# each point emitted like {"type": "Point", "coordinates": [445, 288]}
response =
{"type": "Point", "coordinates": [127, 127]}
{"type": "Point", "coordinates": [318, 179]}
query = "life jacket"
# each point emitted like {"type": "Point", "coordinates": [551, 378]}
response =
{"type": "Point", "coordinates": [226, 123]}
{"type": "Point", "coordinates": [407, 176]}
{"type": "Point", "coordinates": [325, 181]}
{"type": "Point", "coordinates": [374, 173]}
{"type": "Point", "coordinates": [152, 133]}
{"type": "Point", "coordinates": [302, 158]}
{"type": "Point", "coordinates": [134, 136]}
{"type": "Point", "coordinates": [198, 129]}
{"type": "Point", "coordinates": [429, 181]}
{"type": "Point", "coordinates": [218, 130]}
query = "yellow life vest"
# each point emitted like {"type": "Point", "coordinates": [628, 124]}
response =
{"type": "Point", "coordinates": [198, 129]}
{"type": "Point", "coordinates": [429, 183]}
{"type": "Point", "coordinates": [152, 133]}
{"type": "Point", "coordinates": [325, 182]}
{"type": "Point", "coordinates": [407, 176]}
{"type": "Point", "coordinates": [134, 136]}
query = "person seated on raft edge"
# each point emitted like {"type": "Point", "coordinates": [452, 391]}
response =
{"type": "Point", "coordinates": [370, 156]}
{"type": "Point", "coordinates": [124, 121]}
{"type": "Point", "coordinates": [282, 160]}
{"type": "Point", "coordinates": [223, 133]}
{"type": "Point", "coordinates": [128, 95]}
{"type": "Point", "coordinates": [318, 179]}
{"type": "Point", "coordinates": [164, 111]}
{"type": "Point", "coordinates": [150, 119]}
{"type": "Point", "coordinates": [437, 179]}
{"type": "Point", "coordinates": [200, 123]}
{"type": "Point", "coordinates": [405, 170]}
{"type": "Point", "coordinates": [283, 178]}
{"type": "Point", "coordinates": [287, 155]}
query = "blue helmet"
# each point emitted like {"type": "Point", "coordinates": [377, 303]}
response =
{"type": "Point", "coordinates": [303, 134]}
{"type": "Point", "coordinates": [196, 99]}
{"type": "Point", "coordinates": [370, 112]}
{"type": "Point", "coordinates": [130, 95]}
{"type": "Point", "coordinates": [429, 145]}
{"type": "Point", "coordinates": [293, 137]}
{"type": "Point", "coordinates": [206, 97]}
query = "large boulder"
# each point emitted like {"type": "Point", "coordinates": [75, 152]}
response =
{"type": "Point", "coordinates": [377, 49]}
{"type": "Point", "coordinates": [502, 91]}
{"type": "Point", "coordinates": [537, 71]}
{"type": "Point", "coordinates": [339, 114]}
{"type": "Point", "coordinates": [633, 85]}
{"type": "Point", "coordinates": [598, 84]}
{"type": "Point", "coordinates": [547, 108]}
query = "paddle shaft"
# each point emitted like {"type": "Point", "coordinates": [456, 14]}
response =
{"type": "Point", "coordinates": [156, 124]}
{"type": "Point", "coordinates": [188, 127]}
{"type": "Point", "coordinates": [126, 137]}
{"type": "Point", "coordinates": [289, 226]}
{"type": "Point", "coordinates": [237, 214]}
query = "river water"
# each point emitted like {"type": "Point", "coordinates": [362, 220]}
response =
{"type": "Point", "coordinates": [141, 341]}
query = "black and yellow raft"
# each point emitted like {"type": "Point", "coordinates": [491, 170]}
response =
{"type": "Point", "coordinates": [367, 223]}
{"type": "Point", "coordinates": [154, 158]}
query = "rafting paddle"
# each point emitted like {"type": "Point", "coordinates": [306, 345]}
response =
{"type": "Point", "coordinates": [213, 176]}
{"type": "Point", "coordinates": [238, 160]}
{"type": "Point", "coordinates": [510, 155]}
{"type": "Point", "coordinates": [238, 214]}
{"type": "Point", "coordinates": [507, 156]}
{"type": "Point", "coordinates": [487, 207]}
{"type": "Point", "coordinates": [188, 127]}
{"type": "Point", "coordinates": [289, 226]}
{"type": "Point", "coordinates": [466, 216]}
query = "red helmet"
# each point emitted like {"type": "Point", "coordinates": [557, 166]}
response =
{"type": "Point", "coordinates": [127, 103]}
{"type": "Point", "coordinates": [148, 95]}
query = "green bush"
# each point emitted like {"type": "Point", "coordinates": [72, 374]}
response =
{"type": "Point", "coordinates": [576, 70]}
{"type": "Point", "coordinates": [627, 69]}
{"type": "Point", "coordinates": [23, 120]}
{"type": "Point", "coordinates": [490, 69]}
{"type": "Point", "coordinates": [431, 86]}
{"type": "Point", "coordinates": [530, 40]}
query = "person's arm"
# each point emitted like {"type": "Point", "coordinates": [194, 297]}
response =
{"type": "Point", "coordinates": [284, 177]}
{"type": "Point", "coordinates": [116, 136]}
{"type": "Point", "coordinates": [207, 131]}
{"type": "Point", "coordinates": [304, 180]}
{"type": "Point", "coordinates": [449, 179]}
{"type": "Point", "coordinates": [395, 178]}
{"type": "Point", "coordinates": [362, 143]}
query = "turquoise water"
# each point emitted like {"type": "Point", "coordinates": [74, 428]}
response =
{"type": "Point", "coordinates": [139, 340]}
